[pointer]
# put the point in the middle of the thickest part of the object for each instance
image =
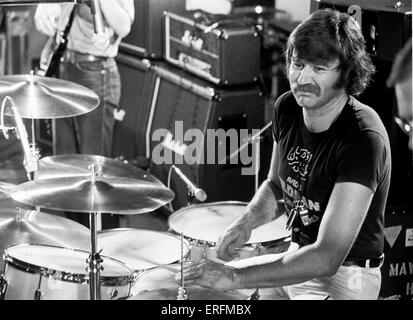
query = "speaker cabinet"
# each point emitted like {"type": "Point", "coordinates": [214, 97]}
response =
{"type": "Point", "coordinates": [181, 127]}
{"type": "Point", "coordinates": [137, 85]}
{"type": "Point", "coordinates": [397, 271]}
{"type": "Point", "coordinates": [146, 37]}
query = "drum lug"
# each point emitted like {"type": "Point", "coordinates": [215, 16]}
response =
{"type": "Point", "coordinates": [3, 287]}
{"type": "Point", "coordinates": [261, 249]}
{"type": "Point", "coordinates": [38, 295]}
{"type": "Point", "coordinates": [113, 294]}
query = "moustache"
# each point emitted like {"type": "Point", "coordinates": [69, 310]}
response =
{"type": "Point", "coordinates": [307, 88]}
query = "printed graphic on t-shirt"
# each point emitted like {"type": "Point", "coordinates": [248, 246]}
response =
{"type": "Point", "coordinates": [299, 160]}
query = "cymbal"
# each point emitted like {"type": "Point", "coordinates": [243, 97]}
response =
{"type": "Point", "coordinates": [77, 165]}
{"type": "Point", "coordinates": [33, 227]}
{"type": "Point", "coordinates": [104, 195]}
{"type": "Point", "coordinates": [47, 98]}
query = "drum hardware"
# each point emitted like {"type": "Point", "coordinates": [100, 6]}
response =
{"type": "Point", "coordinates": [251, 140]}
{"type": "Point", "coordinates": [182, 294]}
{"type": "Point", "coordinates": [94, 194]}
{"type": "Point", "coordinates": [3, 286]}
{"type": "Point", "coordinates": [31, 156]}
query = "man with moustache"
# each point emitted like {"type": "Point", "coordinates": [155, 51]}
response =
{"type": "Point", "coordinates": [331, 165]}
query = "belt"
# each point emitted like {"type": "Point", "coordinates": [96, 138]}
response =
{"type": "Point", "coordinates": [74, 56]}
{"type": "Point", "coordinates": [365, 263]}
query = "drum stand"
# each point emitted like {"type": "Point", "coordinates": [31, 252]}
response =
{"type": "Point", "coordinates": [94, 261]}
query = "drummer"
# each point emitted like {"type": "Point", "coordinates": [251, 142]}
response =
{"type": "Point", "coordinates": [331, 163]}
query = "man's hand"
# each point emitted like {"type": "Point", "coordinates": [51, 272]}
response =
{"type": "Point", "coordinates": [209, 274]}
{"type": "Point", "coordinates": [47, 18]}
{"type": "Point", "coordinates": [235, 238]}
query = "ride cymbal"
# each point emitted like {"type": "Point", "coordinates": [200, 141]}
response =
{"type": "Point", "coordinates": [47, 98]}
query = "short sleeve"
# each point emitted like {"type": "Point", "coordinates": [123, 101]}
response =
{"type": "Point", "coordinates": [364, 161]}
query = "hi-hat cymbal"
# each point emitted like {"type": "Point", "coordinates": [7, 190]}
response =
{"type": "Point", "coordinates": [47, 98]}
{"type": "Point", "coordinates": [77, 165]}
{"type": "Point", "coordinates": [33, 227]}
{"type": "Point", "coordinates": [104, 195]}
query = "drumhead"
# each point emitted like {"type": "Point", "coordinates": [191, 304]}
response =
{"type": "Point", "coordinates": [160, 284]}
{"type": "Point", "coordinates": [207, 222]}
{"type": "Point", "coordinates": [50, 259]}
{"type": "Point", "coordinates": [142, 249]}
{"type": "Point", "coordinates": [191, 292]}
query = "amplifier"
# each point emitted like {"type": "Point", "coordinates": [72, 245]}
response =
{"type": "Point", "coordinates": [397, 271]}
{"type": "Point", "coordinates": [146, 37]}
{"type": "Point", "coordinates": [224, 51]}
{"type": "Point", "coordinates": [386, 25]}
{"type": "Point", "coordinates": [137, 83]}
{"type": "Point", "coordinates": [196, 126]}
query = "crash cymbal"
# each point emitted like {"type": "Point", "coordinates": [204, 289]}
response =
{"type": "Point", "coordinates": [23, 225]}
{"type": "Point", "coordinates": [47, 98]}
{"type": "Point", "coordinates": [104, 195]}
{"type": "Point", "coordinates": [77, 165]}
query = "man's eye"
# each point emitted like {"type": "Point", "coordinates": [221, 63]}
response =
{"type": "Point", "coordinates": [320, 69]}
{"type": "Point", "coordinates": [297, 65]}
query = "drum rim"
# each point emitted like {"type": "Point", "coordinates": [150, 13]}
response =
{"type": "Point", "coordinates": [64, 275]}
{"type": "Point", "coordinates": [211, 244]}
{"type": "Point", "coordinates": [243, 296]}
{"type": "Point", "coordinates": [169, 234]}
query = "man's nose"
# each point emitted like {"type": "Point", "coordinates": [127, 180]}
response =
{"type": "Point", "coordinates": [306, 75]}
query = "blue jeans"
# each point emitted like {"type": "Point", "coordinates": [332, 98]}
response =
{"type": "Point", "coordinates": [90, 133]}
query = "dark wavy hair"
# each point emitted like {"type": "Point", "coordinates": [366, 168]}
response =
{"type": "Point", "coordinates": [326, 35]}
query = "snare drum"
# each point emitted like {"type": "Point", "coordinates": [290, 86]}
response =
{"type": "Point", "coordinates": [203, 224]}
{"type": "Point", "coordinates": [40, 272]}
{"type": "Point", "coordinates": [160, 284]}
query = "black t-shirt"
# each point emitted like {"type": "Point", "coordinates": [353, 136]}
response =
{"type": "Point", "coordinates": [355, 148]}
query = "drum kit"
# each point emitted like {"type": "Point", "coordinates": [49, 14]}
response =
{"type": "Point", "coordinates": [47, 256]}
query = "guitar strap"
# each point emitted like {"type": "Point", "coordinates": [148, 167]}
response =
{"type": "Point", "coordinates": [69, 23]}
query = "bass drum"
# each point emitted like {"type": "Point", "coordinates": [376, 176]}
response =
{"type": "Point", "coordinates": [203, 224]}
{"type": "Point", "coordinates": [40, 272]}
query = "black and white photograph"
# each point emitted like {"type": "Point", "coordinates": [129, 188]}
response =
{"type": "Point", "coordinates": [210, 158]}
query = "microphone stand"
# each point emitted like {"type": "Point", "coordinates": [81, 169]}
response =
{"type": "Point", "coordinates": [253, 139]}
{"type": "Point", "coordinates": [31, 157]}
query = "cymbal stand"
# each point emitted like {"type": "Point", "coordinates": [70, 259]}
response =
{"type": "Point", "coordinates": [181, 290]}
{"type": "Point", "coordinates": [94, 261]}
{"type": "Point", "coordinates": [252, 139]}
